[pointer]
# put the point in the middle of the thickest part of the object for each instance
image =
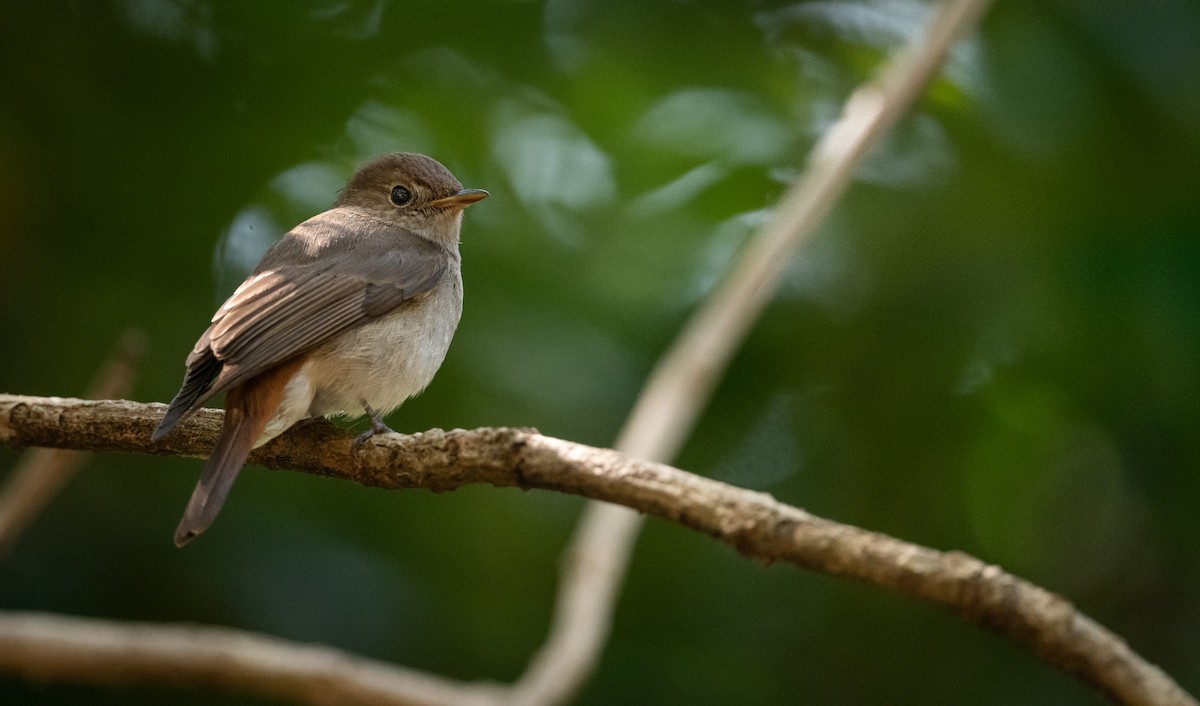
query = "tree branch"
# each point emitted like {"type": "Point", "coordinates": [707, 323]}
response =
{"type": "Point", "coordinates": [45, 646]}
{"type": "Point", "coordinates": [751, 522]}
{"type": "Point", "coordinates": [682, 382]}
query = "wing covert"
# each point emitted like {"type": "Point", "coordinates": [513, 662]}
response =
{"type": "Point", "coordinates": [299, 298]}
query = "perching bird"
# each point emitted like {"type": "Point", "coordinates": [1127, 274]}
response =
{"type": "Point", "coordinates": [351, 312]}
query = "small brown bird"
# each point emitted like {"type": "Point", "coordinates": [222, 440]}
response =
{"type": "Point", "coordinates": [351, 312]}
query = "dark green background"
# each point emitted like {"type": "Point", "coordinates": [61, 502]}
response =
{"type": "Point", "coordinates": [992, 345]}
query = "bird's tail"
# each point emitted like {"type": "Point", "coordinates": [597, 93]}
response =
{"type": "Point", "coordinates": [248, 408]}
{"type": "Point", "coordinates": [238, 435]}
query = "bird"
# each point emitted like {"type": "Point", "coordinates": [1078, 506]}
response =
{"type": "Point", "coordinates": [351, 312]}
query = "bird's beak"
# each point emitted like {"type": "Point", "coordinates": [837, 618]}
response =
{"type": "Point", "coordinates": [461, 199]}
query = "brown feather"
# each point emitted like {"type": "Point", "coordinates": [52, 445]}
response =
{"type": "Point", "coordinates": [248, 408]}
{"type": "Point", "coordinates": [352, 309]}
{"type": "Point", "coordinates": [316, 282]}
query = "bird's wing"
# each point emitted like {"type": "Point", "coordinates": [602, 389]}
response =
{"type": "Point", "coordinates": [304, 292]}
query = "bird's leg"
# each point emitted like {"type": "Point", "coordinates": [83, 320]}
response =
{"type": "Point", "coordinates": [377, 426]}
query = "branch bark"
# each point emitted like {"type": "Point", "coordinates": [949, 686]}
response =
{"type": "Point", "coordinates": [753, 523]}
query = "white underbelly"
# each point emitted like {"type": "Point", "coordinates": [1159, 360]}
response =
{"type": "Point", "coordinates": [380, 364]}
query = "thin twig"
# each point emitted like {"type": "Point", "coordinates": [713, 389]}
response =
{"type": "Point", "coordinates": [681, 384]}
{"type": "Point", "coordinates": [39, 474]}
{"type": "Point", "coordinates": [754, 523]}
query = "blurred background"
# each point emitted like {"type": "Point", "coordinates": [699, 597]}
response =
{"type": "Point", "coordinates": [991, 346]}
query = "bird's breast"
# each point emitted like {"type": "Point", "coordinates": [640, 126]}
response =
{"type": "Point", "coordinates": [385, 361]}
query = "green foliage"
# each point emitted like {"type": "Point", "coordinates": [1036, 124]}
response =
{"type": "Point", "coordinates": [991, 347]}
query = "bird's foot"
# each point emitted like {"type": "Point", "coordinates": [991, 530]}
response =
{"type": "Point", "coordinates": [377, 427]}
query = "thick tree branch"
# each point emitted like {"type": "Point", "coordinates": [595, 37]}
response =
{"type": "Point", "coordinates": [753, 523]}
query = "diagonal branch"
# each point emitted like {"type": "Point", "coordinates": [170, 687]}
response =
{"type": "Point", "coordinates": [679, 388]}
{"type": "Point", "coordinates": [753, 523]}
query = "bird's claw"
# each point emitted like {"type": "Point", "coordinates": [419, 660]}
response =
{"type": "Point", "coordinates": [377, 427]}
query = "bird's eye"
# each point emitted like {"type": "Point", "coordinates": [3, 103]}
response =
{"type": "Point", "coordinates": [401, 195]}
